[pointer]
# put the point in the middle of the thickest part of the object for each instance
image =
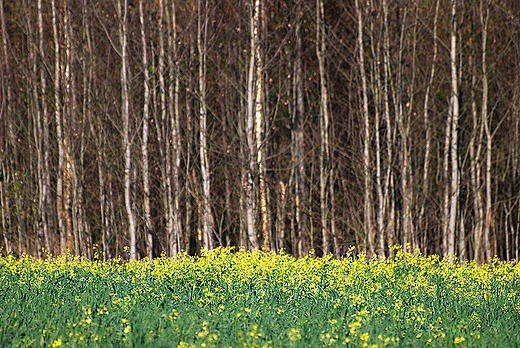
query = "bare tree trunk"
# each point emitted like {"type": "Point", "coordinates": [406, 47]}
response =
{"type": "Point", "coordinates": [46, 143]}
{"type": "Point", "coordinates": [87, 116]}
{"type": "Point", "coordinates": [475, 145]}
{"type": "Point", "coordinates": [325, 160]}
{"type": "Point", "coordinates": [259, 126]}
{"type": "Point", "coordinates": [446, 198]}
{"type": "Point", "coordinates": [378, 107]}
{"type": "Point", "coordinates": [300, 198]}
{"type": "Point", "coordinates": [164, 126]}
{"type": "Point", "coordinates": [454, 118]}
{"type": "Point", "coordinates": [175, 238]}
{"type": "Point", "coordinates": [427, 133]}
{"type": "Point", "coordinates": [252, 170]}
{"type": "Point", "coordinates": [207, 216]}
{"type": "Point", "coordinates": [190, 153]}
{"type": "Point", "coordinates": [244, 184]}
{"type": "Point", "coordinates": [407, 163]}
{"type": "Point", "coordinates": [367, 206]}
{"type": "Point", "coordinates": [161, 127]}
{"type": "Point", "coordinates": [125, 112]}
{"type": "Point", "coordinates": [62, 230]}
{"type": "Point", "coordinates": [71, 194]}
{"type": "Point", "coordinates": [144, 145]}
{"type": "Point", "coordinates": [489, 137]}
{"type": "Point", "coordinates": [35, 112]}
{"type": "Point", "coordinates": [4, 105]}
{"type": "Point", "coordinates": [389, 177]}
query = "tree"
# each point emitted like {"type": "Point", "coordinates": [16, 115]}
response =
{"type": "Point", "coordinates": [207, 216]}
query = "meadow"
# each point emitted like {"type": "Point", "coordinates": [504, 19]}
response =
{"type": "Point", "coordinates": [240, 299]}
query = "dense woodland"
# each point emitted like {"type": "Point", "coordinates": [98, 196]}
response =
{"type": "Point", "coordinates": [140, 128]}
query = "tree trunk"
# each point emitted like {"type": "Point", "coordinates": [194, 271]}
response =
{"type": "Point", "coordinates": [259, 126]}
{"type": "Point", "coordinates": [207, 216]}
{"type": "Point", "coordinates": [6, 103]}
{"type": "Point", "coordinates": [34, 109]}
{"type": "Point", "coordinates": [125, 112]}
{"type": "Point", "coordinates": [62, 213]}
{"type": "Point", "coordinates": [367, 206]}
{"type": "Point", "coordinates": [144, 145]}
{"type": "Point", "coordinates": [300, 199]}
{"type": "Point", "coordinates": [454, 122]}
{"type": "Point", "coordinates": [250, 135]}
{"type": "Point", "coordinates": [388, 184]}
{"type": "Point", "coordinates": [325, 160]}
{"type": "Point", "coordinates": [173, 61]}
{"type": "Point", "coordinates": [427, 134]}
{"type": "Point", "coordinates": [489, 221]}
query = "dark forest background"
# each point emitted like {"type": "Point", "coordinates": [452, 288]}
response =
{"type": "Point", "coordinates": [168, 125]}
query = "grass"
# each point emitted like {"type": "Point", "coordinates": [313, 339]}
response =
{"type": "Point", "coordinates": [226, 299]}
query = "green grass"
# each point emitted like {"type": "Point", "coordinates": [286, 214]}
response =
{"type": "Point", "coordinates": [226, 299]}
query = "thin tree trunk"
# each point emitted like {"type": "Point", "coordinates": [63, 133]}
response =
{"type": "Point", "coordinates": [367, 205]}
{"type": "Point", "coordinates": [489, 137]}
{"type": "Point", "coordinates": [125, 112]}
{"type": "Point", "coordinates": [207, 217]}
{"type": "Point", "coordinates": [72, 128]}
{"type": "Point", "coordinates": [259, 127]}
{"type": "Point", "coordinates": [427, 133]}
{"type": "Point", "coordinates": [475, 145]}
{"type": "Point", "coordinates": [87, 114]}
{"type": "Point", "coordinates": [378, 107]}
{"type": "Point", "coordinates": [407, 163]}
{"type": "Point", "coordinates": [68, 123]}
{"type": "Point", "coordinates": [173, 61]}
{"type": "Point", "coordinates": [62, 231]}
{"type": "Point", "coordinates": [144, 145]}
{"type": "Point", "coordinates": [164, 126]}
{"type": "Point", "coordinates": [161, 128]}
{"type": "Point", "coordinates": [46, 143]}
{"type": "Point", "coordinates": [5, 104]}
{"type": "Point", "coordinates": [36, 113]}
{"type": "Point", "coordinates": [300, 198]}
{"type": "Point", "coordinates": [325, 165]}
{"type": "Point", "coordinates": [389, 177]}
{"type": "Point", "coordinates": [454, 118]}
{"type": "Point", "coordinates": [252, 170]}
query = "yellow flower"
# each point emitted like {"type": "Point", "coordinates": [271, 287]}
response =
{"type": "Point", "coordinates": [127, 329]}
{"type": "Point", "coordinates": [57, 343]}
{"type": "Point", "coordinates": [294, 334]}
{"type": "Point", "coordinates": [364, 336]}
{"type": "Point", "coordinates": [459, 340]}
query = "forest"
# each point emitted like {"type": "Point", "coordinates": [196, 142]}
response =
{"type": "Point", "coordinates": [140, 128]}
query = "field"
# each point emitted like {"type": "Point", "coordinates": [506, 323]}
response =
{"type": "Point", "coordinates": [227, 299]}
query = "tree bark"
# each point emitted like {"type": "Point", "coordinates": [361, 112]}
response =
{"type": "Point", "coordinates": [427, 134]}
{"type": "Point", "coordinates": [367, 196]}
{"type": "Point", "coordinates": [207, 216]}
{"type": "Point", "coordinates": [144, 145]}
{"type": "Point", "coordinates": [325, 159]}
{"type": "Point", "coordinates": [173, 61]}
{"type": "Point", "coordinates": [62, 212]}
{"type": "Point", "coordinates": [489, 221]}
{"type": "Point", "coordinates": [250, 135]}
{"type": "Point", "coordinates": [5, 104]}
{"type": "Point", "coordinates": [125, 112]}
{"type": "Point", "coordinates": [454, 122]}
